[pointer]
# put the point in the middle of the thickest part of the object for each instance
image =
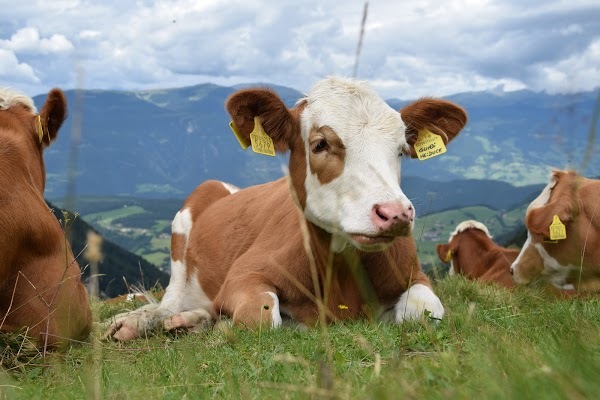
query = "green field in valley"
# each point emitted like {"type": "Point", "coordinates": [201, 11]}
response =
{"type": "Point", "coordinates": [142, 226]}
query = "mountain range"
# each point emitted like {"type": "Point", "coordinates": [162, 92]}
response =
{"type": "Point", "coordinates": [163, 143]}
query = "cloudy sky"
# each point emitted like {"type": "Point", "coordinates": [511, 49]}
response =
{"type": "Point", "coordinates": [411, 48]}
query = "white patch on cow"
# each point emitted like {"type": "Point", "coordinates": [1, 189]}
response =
{"type": "Point", "coordinates": [275, 312]}
{"type": "Point", "coordinates": [374, 137]}
{"type": "Point", "coordinates": [11, 97]}
{"type": "Point", "coordinates": [470, 224]}
{"type": "Point", "coordinates": [182, 223]}
{"type": "Point", "coordinates": [182, 293]}
{"type": "Point", "coordinates": [231, 188]}
{"type": "Point", "coordinates": [544, 196]}
{"type": "Point", "coordinates": [451, 271]}
{"type": "Point", "coordinates": [515, 273]}
{"type": "Point", "coordinates": [556, 272]}
{"type": "Point", "coordinates": [413, 303]}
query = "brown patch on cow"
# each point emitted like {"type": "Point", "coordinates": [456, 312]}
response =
{"type": "Point", "coordinates": [178, 243]}
{"type": "Point", "coordinates": [477, 257]}
{"type": "Point", "coordinates": [40, 285]}
{"type": "Point", "coordinates": [441, 117]}
{"type": "Point", "coordinates": [327, 154]}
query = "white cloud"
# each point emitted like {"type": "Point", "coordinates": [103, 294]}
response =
{"type": "Point", "coordinates": [12, 70]}
{"type": "Point", "coordinates": [410, 48]}
{"type": "Point", "coordinates": [28, 40]}
{"type": "Point", "coordinates": [576, 73]}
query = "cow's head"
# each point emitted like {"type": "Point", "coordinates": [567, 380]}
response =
{"type": "Point", "coordinates": [573, 199]}
{"type": "Point", "coordinates": [346, 144]}
{"type": "Point", "coordinates": [27, 132]}
{"type": "Point", "coordinates": [464, 242]}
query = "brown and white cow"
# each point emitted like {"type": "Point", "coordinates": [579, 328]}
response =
{"type": "Point", "coordinates": [337, 232]}
{"type": "Point", "coordinates": [472, 253]}
{"type": "Point", "coordinates": [573, 262]}
{"type": "Point", "coordinates": [40, 288]}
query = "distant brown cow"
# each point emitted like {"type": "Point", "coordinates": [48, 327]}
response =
{"type": "Point", "coordinates": [472, 253]}
{"type": "Point", "coordinates": [338, 232]}
{"type": "Point", "coordinates": [572, 262]}
{"type": "Point", "coordinates": [40, 288]}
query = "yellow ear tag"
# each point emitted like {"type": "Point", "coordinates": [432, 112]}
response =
{"type": "Point", "coordinates": [40, 129]}
{"type": "Point", "coordinates": [241, 140]}
{"type": "Point", "coordinates": [261, 142]}
{"type": "Point", "coordinates": [557, 229]}
{"type": "Point", "coordinates": [429, 145]}
{"type": "Point", "coordinates": [448, 256]}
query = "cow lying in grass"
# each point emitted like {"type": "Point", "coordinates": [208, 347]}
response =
{"type": "Point", "coordinates": [472, 253]}
{"type": "Point", "coordinates": [572, 262]}
{"type": "Point", "coordinates": [40, 288]}
{"type": "Point", "coordinates": [331, 242]}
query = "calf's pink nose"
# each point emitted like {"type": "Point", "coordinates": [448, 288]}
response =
{"type": "Point", "coordinates": [386, 216]}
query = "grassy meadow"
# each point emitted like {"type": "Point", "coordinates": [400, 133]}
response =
{"type": "Point", "coordinates": [492, 343]}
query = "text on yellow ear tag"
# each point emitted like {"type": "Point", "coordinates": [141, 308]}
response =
{"type": "Point", "coordinates": [261, 142]}
{"type": "Point", "coordinates": [557, 229]}
{"type": "Point", "coordinates": [429, 145]}
{"type": "Point", "coordinates": [448, 256]}
{"type": "Point", "coordinates": [241, 140]}
{"type": "Point", "coordinates": [40, 129]}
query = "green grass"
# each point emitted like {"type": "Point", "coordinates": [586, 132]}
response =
{"type": "Point", "coordinates": [493, 343]}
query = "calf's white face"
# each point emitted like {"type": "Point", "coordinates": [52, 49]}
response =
{"type": "Point", "coordinates": [346, 144]}
{"type": "Point", "coordinates": [353, 142]}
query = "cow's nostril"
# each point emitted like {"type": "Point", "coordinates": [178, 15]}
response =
{"type": "Point", "coordinates": [512, 271]}
{"type": "Point", "coordinates": [380, 215]}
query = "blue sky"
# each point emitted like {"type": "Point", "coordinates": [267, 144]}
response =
{"type": "Point", "coordinates": [411, 49]}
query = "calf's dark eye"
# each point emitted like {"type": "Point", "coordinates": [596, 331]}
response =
{"type": "Point", "coordinates": [319, 146]}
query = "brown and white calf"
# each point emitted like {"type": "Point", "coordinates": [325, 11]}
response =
{"type": "Point", "coordinates": [337, 233]}
{"type": "Point", "coordinates": [472, 253]}
{"type": "Point", "coordinates": [40, 288]}
{"type": "Point", "coordinates": [573, 262]}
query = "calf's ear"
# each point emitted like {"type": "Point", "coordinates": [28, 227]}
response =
{"type": "Point", "coordinates": [51, 117]}
{"type": "Point", "coordinates": [279, 122]}
{"type": "Point", "coordinates": [441, 117]}
{"type": "Point", "coordinates": [443, 251]}
{"type": "Point", "coordinates": [538, 220]}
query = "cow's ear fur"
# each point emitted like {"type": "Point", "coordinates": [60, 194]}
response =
{"type": "Point", "coordinates": [441, 117]}
{"type": "Point", "coordinates": [280, 123]}
{"type": "Point", "coordinates": [538, 220]}
{"type": "Point", "coordinates": [442, 250]}
{"type": "Point", "coordinates": [563, 202]}
{"type": "Point", "coordinates": [52, 115]}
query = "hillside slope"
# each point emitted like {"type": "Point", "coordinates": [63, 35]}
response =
{"type": "Point", "coordinates": [118, 268]}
